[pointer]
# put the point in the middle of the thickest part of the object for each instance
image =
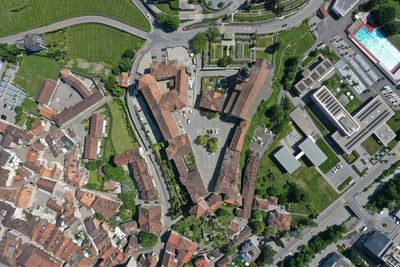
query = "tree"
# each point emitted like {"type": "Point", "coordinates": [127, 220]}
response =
{"type": "Point", "coordinates": [213, 34]}
{"type": "Point", "coordinates": [228, 249]}
{"type": "Point", "coordinates": [114, 173]}
{"type": "Point", "coordinates": [199, 42]}
{"type": "Point", "coordinates": [266, 256]}
{"type": "Point", "coordinates": [369, 5]}
{"type": "Point", "coordinates": [279, 9]}
{"type": "Point", "coordinates": [169, 21]}
{"type": "Point", "coordinates": [125, 214]}
{"type": "Point", "coordinates": [354, 258]}
{"type": "Point", "coordinates": [129, 53]}
{"type": "Point", "coordinates": [147, 240]}
{"type": "Point", "coordinates": [9, 52]}
{"type": "Point", "coordinates": [128, 198]}
{"type": "Point", "coordinates": [93, 165]}
{"type": "Point", "coordinates": [258, 227]}
{"type": "Point", "coordinates": [202, 139]}
{"type": "Point", "coordinates": [273, 48]}
{"type": "Point", "coordinates": [392, 28]}
{"type": "Point", "coordinates": [225, 61]}
{"type": "Point", "coordinates": [125, 64]}
{"type": "Point", "coordinates": [212, 145]}
{"type": "Point", "coordinates": [383, 15]}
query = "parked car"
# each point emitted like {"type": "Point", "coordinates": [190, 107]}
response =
{"type": "Point", "coordinates": [188, 121]}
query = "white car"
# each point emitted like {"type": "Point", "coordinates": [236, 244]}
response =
{"type": "Point", "coordinates": [148, 15]}
{"type": "Point", "coordinates": [188, 121]}
{"type": "Point", "coordinates": [216, 131]}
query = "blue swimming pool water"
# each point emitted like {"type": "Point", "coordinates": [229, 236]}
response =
{"type": "Point", "coordinates": [380, 47]}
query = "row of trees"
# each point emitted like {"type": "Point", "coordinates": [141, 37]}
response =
{"type": "Point", "coordinates": [382, 16]}
{"type": "Point", "coordinates": [388, 196]}
{"type": "Point", "coordinates": [314, 246]}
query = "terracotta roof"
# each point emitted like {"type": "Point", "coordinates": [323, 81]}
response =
{"type": "Point", "coordinates": [33, 257]}
{"type": "Point", "coordinates": [147, 188]}
{"type": "Point", "coordinates": [189, 175]}
{"type": "Point", "coordinates": [279, 219]}
{"type": "Point", "coordinates": [97, 125]}
{"type": "Point", "coordinates": [52, 204]}
{"type": "Point", "coordinates": [228, 179]}
{"type": "Point", "coordinates": [110, 185]}
{"type": "Point", "coordinates": [46, 184]}
{"type": "Point", "coordinates": [38, 128]}
{"type": "Point", "coordinates": [249, 184]}
{"type": "Point", "coordinates": [150, 219]}
{"type": "Point", "coordinates": [71, 112]}
{"type": "Point", "coordinates": [224, 261]}
{"type": "Point", "coordinates": [200, 209]}
{"type": "Point", "coordinates": [123, 80]}
{"type": "Point", "coordinates": [46, 92]}
{"type": "Point", "coordinates": [233, 227]}
{"type": "Point", "coordinates": [212, 100]}
{"type": "Point", "coordinates": [247, 95]}
{"type": "Point", "coordinates": [163, 103]}
{"type": "Point", "coordinates": [265, 204]}
{"type": "Point", "coordinates": [13, 136]}
{"type": "Point", "coordinates": [86, 198]}
{"type": "Point", "coordinates": [178, 249]}
{"type": "Point", "coordinates": [91, 147]}
{"type": "Point", "coordinates": [73, 175]}
{"type": "Point", "coordinates": [24, 196]}
{"type": "Point", "coordinates": [47, 112]}
{"type": "Point", "coordinates": [70, 78]}
{"type": "Point", "coordinates": [201, 262]}
{"type": "Point", "coordinates": [147, 261]}
{"type": "Point", "coordinates": [239, 135]}
{"type": "Point", "coordinates": [32, 155]}
{"type": "Point", "coordinates": [128, 228]}
{"type": "Point", "coordinates": [106, 207]}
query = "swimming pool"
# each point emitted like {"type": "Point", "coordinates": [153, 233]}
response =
{"type": "Point", "coordinates": [387, 54]}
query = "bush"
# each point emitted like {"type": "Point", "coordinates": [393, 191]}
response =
{"type": "Point", "coordinates": [267, 256]}
{"type": "Point", "coordinates": [225, 61]}
{"type": "Point", "coordinates": [93, 165]}
{"type": "Point", "coordinates": [129, 53]}
{"type": "Point", "coordinates": [220, 4]}
{"type": "Point", "coordinates": [9, 52]}
{"type": "Point", "coordinates": [147, 240]}
{"type": "Point", "coordinates": [213, 34]}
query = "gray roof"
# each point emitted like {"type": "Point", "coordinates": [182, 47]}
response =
{"type": "Point", "coordinates": [342, 7]}
{"type": "Point", "coordinates": [376, 243]}
{"type": "Point", "coordinates": [287, 160]}
{"type": "Point", "coordinates": [337, 260]}
{"type": "Point", "coordinates": [313, 152]}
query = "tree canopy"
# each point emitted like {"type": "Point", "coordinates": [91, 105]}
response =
{"type": "Point", "coordinates": [383, 15]}
{"type": "Point", "coordinates": [213, 34]}
{"type": "Point", "coordinates": [114, 173]}
{"type": "Point", "coordinates": [169, 21]}
{"type": "Point", "coordinates": [9, 52]}
{"type": "Point", "coordinates": [266, 256]}
{"type": "Point", "coordinates": [147, 240]}
{"type": "Point", "coordinates": [225, 61]}
{"type": "Point", "coordinates": [199, 42]}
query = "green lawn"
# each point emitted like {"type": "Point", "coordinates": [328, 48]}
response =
{"type": "Point", "coordinates": [97, 43]}
{"type": "Point", "coordinates": [33, 71]}
{"type": "Point", "coordinates": [21, 15]}
{"type": "Point", "coordinates": [332, 160]}
{"type": "Point", "coordinates": [264, 41]}
{"type": "Point", "coordinates": [371, 145]}
{"type": "Point", "coordinates": [121, 136]}
{"type": "Point", "coordinates": [247, 51]}
{"type": "Point", "coordinates": [172, 7]}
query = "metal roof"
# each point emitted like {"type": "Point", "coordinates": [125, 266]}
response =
{"type": "Point", "coordinates": [376, 243]}
{"type": "Point", "coordinates": [287, 160]}
{"type": "Point", "coordinates": [313, 152]}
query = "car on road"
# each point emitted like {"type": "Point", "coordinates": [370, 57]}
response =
{"type": "Point", "coordinates": [216, 131]}
{"type": "Point", "coordinates": [148, 15]}
{"type": "Point", "coordinates": [284, 25]}
{"type": "Point", "coordinates": [188, 121]}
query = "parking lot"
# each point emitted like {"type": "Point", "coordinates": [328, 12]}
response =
{"type": "Point", "coordinates": [206, 162]}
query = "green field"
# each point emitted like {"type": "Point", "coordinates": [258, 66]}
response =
{"type": "Point", "coordinates": [97, 43]}
{"type": "Point", "coordinates": [371, 145]}
{"type": "Point", "coordinates": [121, 136]}
{"type": "Point", "coordinates": [332, 160]}
{"type": "Point", "coordinates": [21, 15]}
{"type": "Point", "coordinates": [33, 71]}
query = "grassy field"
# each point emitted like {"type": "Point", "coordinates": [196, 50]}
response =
{"type": "Point", "coordinates": [371, 145]}
{"type": "Point", "coordinates": [96, 43]}
{"type": "Point", "coordinates": [332, 160]}
{"type": "Point", "coordinates": [21, 15]}
{"type": "Point", "coordinates": [121, 137]}
{"type": "Point", "coordinates": [33, 71]}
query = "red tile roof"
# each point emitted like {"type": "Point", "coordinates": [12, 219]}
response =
{"type": "Point", "coordinates": [178, 248]}
{"type": "Point", "coordinates": [150, 219]}
{"type": "Point", "coordinates": [97, 125]}
{"type": "Point", "coordinates": [212, 100]}
{"type": "Point", "coordinates": [279, 219]}
{"type": "Point", "coordinates": [70, 78]}
{"type": "Point", "coordinates": [46, 92]}
{"type": "Point", "coordinates": [38, 128]}
{"type": "Point", "coordinates": [106, 207]}
{"type": "Point", "coordinates": [123, 80]}
{"type": "Point", "coordinates": [47, 112]}
{"type": "Point", "coordinates": [91, 147]}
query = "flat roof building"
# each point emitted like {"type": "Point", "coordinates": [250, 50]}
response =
{"type": "Point", "coordinates": [336, 113]}
{"type": "Point", "coordinates": [287, 160]}
{"type": "Point", "coordinates": [372, 119]}
{"type": "Point", "coordinates": [342, 7]}
{"type": "Point", "coordinates": [337, 260]}
{"type": "Point", "coordinates": [314, 76]}
{"type": "Point", "coordinates": [300, 117]}
{"type": "Point", "coordinates": [313, 152]}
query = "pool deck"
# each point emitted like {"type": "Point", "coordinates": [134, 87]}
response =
{"type": "Point", "coordinates": [352, 30]}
